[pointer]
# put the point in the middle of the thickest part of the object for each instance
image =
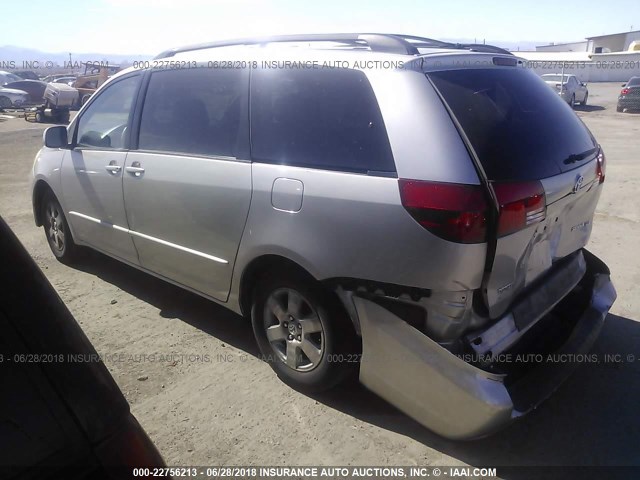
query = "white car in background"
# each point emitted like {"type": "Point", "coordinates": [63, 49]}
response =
{"type": "Point", "coordinates": [568, 87]}
{"type": "Point", "coordinates": [10, 97]}
{"type": "Point", "coordinates": [6, 77]}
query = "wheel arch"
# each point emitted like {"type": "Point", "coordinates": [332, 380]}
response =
{"type": "Point", "coordinates": [40, 189]}
{"type": "Point", "coordinates": [257, 268]}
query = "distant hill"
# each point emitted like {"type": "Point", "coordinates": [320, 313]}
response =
{"type": "Point", "coordinates": [18, 58]}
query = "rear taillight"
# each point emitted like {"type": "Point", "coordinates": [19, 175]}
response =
{"type": "Point", "coordinates": [452, 211]}
{"type": "Point", "coordinates": [521, 204]}
{"type": "Point", "coordinates": [624, 91]}
{"type": "Point", "coordinates": [601, 166]}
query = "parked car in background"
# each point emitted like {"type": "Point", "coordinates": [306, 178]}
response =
{"type": "Point", "coordinates": [570, 89]}
{"type": "Point", "coordinates": [27, 75]}
{"type": "Point", "coordinates": [10, 97]}
{"type": "Point", "coordinates": [629, 98]}
{"type": "Point", "coordinates": [418, 222]}
{"type": "Point", "coordinates": [6, 77]}
{"type": "Point", "coordinates": [67, 80]}
{"type": "Point", "coordinates": [35, 89]}
{"type": "Point", "coordinates": [55, 76]}
{"type": "Point", "coordinates": [62, 414]}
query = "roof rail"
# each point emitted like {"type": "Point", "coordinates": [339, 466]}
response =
{"type": "Point", "coordinates": [377, 42]}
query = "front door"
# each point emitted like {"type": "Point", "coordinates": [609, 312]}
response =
{"type": "Point", "coordinates": [92, 171]}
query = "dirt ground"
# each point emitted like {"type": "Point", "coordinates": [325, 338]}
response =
{"type": "Point", "coordinates": [205, 399]}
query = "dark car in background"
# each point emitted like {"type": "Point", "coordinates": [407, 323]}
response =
{"type": "Point", "coordinates": [629, 98]}
{"type": "Point", "coordinates": [34, 88]}
{"type": "Point", "coordinates": [61, 413]}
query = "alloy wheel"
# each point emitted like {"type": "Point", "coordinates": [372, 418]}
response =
{"type": "Point", "coordinates": [55, 230]}
{"type": "Point", "coordinates": [294, 330]}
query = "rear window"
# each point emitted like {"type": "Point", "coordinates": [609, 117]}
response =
{"type": "Point", "coordinates": [519, 127]}
{"type": "Point", "coordinates": [634, 82]}
{"type": "Point", "coordinates": [555, 78]}
{"type": "Point", "coordinates": [327, 119]}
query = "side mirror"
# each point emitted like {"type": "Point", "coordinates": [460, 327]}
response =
{"type": "Point", "coordinates": [56, 137]}
{"type": "Point", "coordinates": [624, 84]}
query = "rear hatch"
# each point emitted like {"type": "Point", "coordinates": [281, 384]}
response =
{"type": "Point", "coordinates": [557, 82]}
{"type": "Point", "coordinates": [542, 169]}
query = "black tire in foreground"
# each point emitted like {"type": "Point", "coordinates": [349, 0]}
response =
{"type": "Point", "coordinates": [303, 332]}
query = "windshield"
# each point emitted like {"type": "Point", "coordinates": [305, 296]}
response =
{"type": "Point", "coordinates": [8, 77]}
{"type": "Point", "coordinates": [519, 128]}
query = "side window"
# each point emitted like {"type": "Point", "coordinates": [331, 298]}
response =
{"type": "Point", "coordinates": [326, 119]}
{"type": "Point", "coordinates": [193, 111]}
{"type": "Point", "coordinates": [104, 123]}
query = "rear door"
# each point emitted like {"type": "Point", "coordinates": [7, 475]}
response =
{"type": "Point", "coordinates": [187, 186]}
{"type": "Point", "coordinates": [541, 165]}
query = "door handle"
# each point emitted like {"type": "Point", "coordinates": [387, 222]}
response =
{"type": "Point", "coordinates": [113, 167]}
{"type": "Point", "coordinates": [135, 169]}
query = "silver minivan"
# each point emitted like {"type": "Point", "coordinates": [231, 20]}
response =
{"type": "Point", "coordinates": [405, 209]}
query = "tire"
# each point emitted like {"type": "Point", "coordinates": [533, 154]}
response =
{"type": "Point", "coordinates": [619, 109]}
{"type": "Point", "coordinates": [312, 345]}
{"type": "Point", "coordinates": [584, 102]}
{"type": "Point", "coordinates": [572, 103]}
{"type": "Point", "coordinates": [56, 230]}
{"type": "Point", "coordinates": [5, 102]}
{"type": "Point", "coordinates": [39, 117]}
{"type": "Point", "coordinates": [63, 118]}
{"type": "Point", "coordinates": [85, 99]}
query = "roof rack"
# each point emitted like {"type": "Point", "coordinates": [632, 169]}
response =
{"type": "Point", "coordinates": [377, 42]}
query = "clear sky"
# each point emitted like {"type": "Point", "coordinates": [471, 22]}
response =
{"type": "Point", "coordinates": [150, 26]}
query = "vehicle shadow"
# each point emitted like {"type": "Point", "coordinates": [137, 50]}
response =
{"type": "Point", "coordinates": [589, 108]}
{"type": "Point", "coordinates": [592, 420]}
{"type": "Point", "coordinates": [172, 301]}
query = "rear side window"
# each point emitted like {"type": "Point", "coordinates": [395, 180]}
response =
{"type": "Point", "coordinates": [193, 111]}
{"type": "Point", "coordinates": [519, 127]}
{"type": "Point", "coordinates": [326, 119]}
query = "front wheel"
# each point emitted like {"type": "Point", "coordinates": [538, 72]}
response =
{"type": "Point", "coordinates": [303, 332]}
{"type": "Point", "coordinates": [572, 103]}
{"type": "Point", "coordinates": [57, 230]}
{"type": "Point", "coordinates": [584, 102]}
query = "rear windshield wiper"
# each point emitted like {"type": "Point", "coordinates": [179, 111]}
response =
{"type": "Point", "coordinates": [577, 157]}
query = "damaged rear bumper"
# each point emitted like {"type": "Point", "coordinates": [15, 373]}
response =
{"type": "Point", "coordinates": [461, 400]}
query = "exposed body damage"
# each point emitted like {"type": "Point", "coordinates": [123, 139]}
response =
{"type": "Point", "coordinates": [459, 397]}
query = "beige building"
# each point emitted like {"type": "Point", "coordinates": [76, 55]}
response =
{"type": "Point", "coordinates": [603, 58]}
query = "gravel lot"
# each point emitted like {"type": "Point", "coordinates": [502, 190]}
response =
{"type": "Point", "coordinates": [210, 401]}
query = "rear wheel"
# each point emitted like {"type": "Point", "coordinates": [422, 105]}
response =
{"type": "Point", "coordinates": [572, 103]}
{"type": "Point", "coordinates": [619, 109]}
{"type": "Point", "coordinates": [57, 230]}
{"type": "Point", "coordinates": [586, 96]}
{"type": "Point", "coordinates": [303, 332]}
